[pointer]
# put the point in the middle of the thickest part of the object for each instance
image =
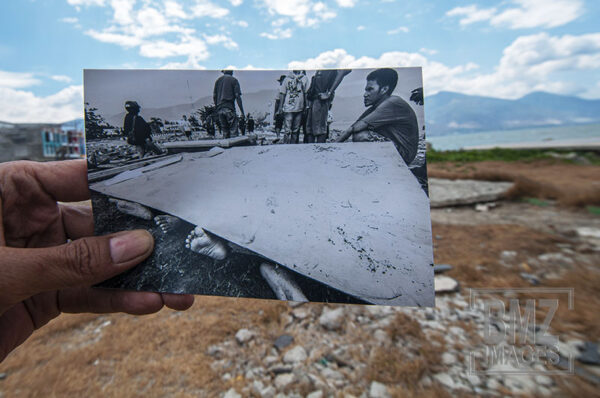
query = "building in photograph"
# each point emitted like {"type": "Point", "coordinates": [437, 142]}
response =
{"type": "Point", "coordinates": [40, 142]}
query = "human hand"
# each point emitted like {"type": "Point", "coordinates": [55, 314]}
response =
{"type": "Point", "coordinates": [324, 96]}
{"type": "Point", "coordinates": [41, 275]}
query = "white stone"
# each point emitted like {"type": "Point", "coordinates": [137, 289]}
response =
{"type": "Point", "coordinates": [493, 384]}
{"type": "Point", "coordinates": [268, 392]}
{"type": "Point", "coordinates": [445, 379]}
{"type": "Point", "coordinates": [283, 380]}
{"type": "Point", "coordinates": [270, 360]}
{"type": "Point", "coordinates": [332, 319]}
{"type": "Point", "coordinates": [588, 232]}
{"type": "Point", "coordinates": [378, 390]}
{"type": "Point", "coordinates": [331, 374]}
{"type": "Point", "coordinates": [474, 380]}
{"type": "Point", "coordinates": [381, 336]}
{"type": "Point", "coordinates": [544, 380]}
{"type": "Point", "coordinates": [448, 359]}
{"type": "Point", "coordinates": [315, 394]}
{"type": "Point", "coordinates": [232, 393]}
{"type": "Point", "coordinates": [244, 335]}
{"type": "Point", "coordinates": [445, 284]}
{"type": "Point", "coordinates": [300, 313]}
{"type": "Point", "coordinates": [296, 354]}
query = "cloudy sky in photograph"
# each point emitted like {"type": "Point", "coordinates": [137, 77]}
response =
{"type": "Point", "coordinates": [497, 48]}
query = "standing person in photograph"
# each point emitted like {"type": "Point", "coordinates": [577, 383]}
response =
{"type": "Point", "coordinates": [292, 97]}
{"type": "Point", "coordinates": [250, 122]}
{"type": "Point", "coordinates": [388, 116]}
{"type": "Point", "coordinates": [278, 116]}
{"type": "Point", "coordinates": [226, 93]}
{"type": "Point", "coordinates": [320, 96]}
{"type": "Point", "coordinates": [137, 131]}
{"type": "Point", "coordinates": [186, 128]}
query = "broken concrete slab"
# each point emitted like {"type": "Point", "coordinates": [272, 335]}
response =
{"type": "Point", "coordinates": [130, 174]}
{"type": "Point", "coordinates": [444, 193]}
{"type": "Point", "coordinates": [350, 215]}
{"type": "Point", "coordinates": [192, 146]}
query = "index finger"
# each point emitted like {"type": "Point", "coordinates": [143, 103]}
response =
{"type": "Point", "coordinates": [64, 180]}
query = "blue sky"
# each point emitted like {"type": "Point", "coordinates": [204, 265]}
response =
{"type": "Point", "coordinates": [499, 48]}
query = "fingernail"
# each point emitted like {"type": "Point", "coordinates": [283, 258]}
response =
{"type": "Point", "coordinates": [129, 245]}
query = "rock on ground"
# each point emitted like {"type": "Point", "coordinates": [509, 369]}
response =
{"type": "Point", "coordinates": [462, 192]}
{"type": "Point", "coordinates": [332, 319]}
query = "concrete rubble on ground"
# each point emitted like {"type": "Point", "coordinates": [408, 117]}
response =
{"type": "Point", "coordinates": [445, 193]}
{"type": "Point", "coordinates": [331, 364]}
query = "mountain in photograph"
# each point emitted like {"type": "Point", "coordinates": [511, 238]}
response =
{"type": "Point", "coordinates": [445, 112]}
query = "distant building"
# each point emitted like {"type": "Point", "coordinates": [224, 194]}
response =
{"type": "Point", "coordinates": [39, 142]}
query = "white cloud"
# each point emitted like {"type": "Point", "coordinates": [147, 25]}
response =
{"type": "Point", "coordinates": [61, 78]}
{"type": "Point", "coordinates": [530, 63]}
{"type": "Point", "coordinates": [160, 29]}
{"type": "Point", "coordinates": [399, 29]}
{"type": "Point", "coordinates": [225, 40]}
{"type": "Point", "coordinates": [346, 3]}
{"type": "Point", "coordinates": [302, 12]}
{"type": "Point", "coordinates": [277, 34]}
{"type": "Point", "coordinates": [360, 28]}
{"type": "Point", "coordinates": [175, 10]}
{"type": "Point", "coordinates": [204, 8]}
{"type": "Point", "coordinates": [20, 106]}
{"type": "Point", "coordinates": [190, 46]}
{"type": "Point", "coordinates": [236, 3]}
{"type": "Point", "coordinates": [243, 24]}
{"type": "Point", "coordinates": [522, 13]}
{"type": "Point", "coordinates": [17, 79]}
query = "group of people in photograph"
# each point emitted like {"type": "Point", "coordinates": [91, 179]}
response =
{"type": "Point", "coordinates": [303, 106]}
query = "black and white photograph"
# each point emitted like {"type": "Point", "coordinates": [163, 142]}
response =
{"type": "Point", "coordinates": [300, 185]}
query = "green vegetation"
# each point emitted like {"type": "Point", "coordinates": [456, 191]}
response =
{"type": "Point", "coordinates": [512, 155]}
{"type": "Point", "coordinates": [595, 210]}
{"type": "Point", "coordinates": [537, 202]}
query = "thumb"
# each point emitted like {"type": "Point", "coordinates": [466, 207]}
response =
{"type": "Point", "coordinates": [83, 262]}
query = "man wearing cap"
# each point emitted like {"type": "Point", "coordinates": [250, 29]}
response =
{"type": "Point", "coordinates": [137, 131]}
{"type": "Point", "coordinates": [226, 93]}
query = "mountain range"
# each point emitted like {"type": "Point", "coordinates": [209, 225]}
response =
{"type": "Point", "coordinates": [445, 112]}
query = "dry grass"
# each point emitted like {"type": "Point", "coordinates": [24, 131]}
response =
{"type": "Point", "coordinates": [403, 326]}
{"type": "Point", "coordinates": [569, 184]}
{"type": "Point", "coordinates": [156, 355]}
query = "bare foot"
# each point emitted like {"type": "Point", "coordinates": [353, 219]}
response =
{"type": "Point", "coordinates": [201, 242]}
{"type": "Point", "coordinates": [132, 208]}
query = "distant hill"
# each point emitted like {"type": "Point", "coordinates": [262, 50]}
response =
{"type": "Point", "coordinates": [447, 112]}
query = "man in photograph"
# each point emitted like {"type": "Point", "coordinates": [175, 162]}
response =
{"type": "Point", "coordinates": [137, 131]}
{"type": "Point", "coordinates": [226, 93]}
{"type": "Point", "coordinates": [388, 115]}
{"type": "Point", "coordinates": [320, 95]}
